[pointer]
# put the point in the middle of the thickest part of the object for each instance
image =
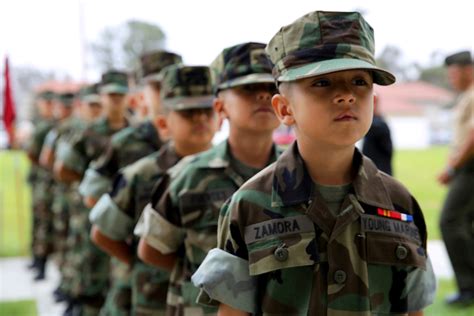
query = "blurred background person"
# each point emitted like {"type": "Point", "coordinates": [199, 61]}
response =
{"type": "Point", "coordinates": [457, 215]}
{"type": "Point", "coordinates": [378, 141]}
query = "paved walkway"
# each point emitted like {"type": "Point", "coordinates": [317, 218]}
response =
{"type": "Point", "coordinates": [16, 281]}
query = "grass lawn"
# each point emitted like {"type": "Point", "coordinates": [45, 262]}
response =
{"type": "Point", "coordinates": [446, 287]}
{"type": "Point", "coordinates": [15, 216]}
{"type": "Point", "coordinates": [18, 308]}
{"type": "Point", "coordinates": [418, 169]}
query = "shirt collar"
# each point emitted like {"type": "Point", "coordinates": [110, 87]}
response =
{"type": "Point", "coordinates": [293, 185]}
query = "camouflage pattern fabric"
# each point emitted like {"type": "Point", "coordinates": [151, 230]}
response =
{"type": "Point", "coordinates": [275, 236]}
{"type": "Point", "coordinates": [153, 62]}
{"type": "Point", "coordinates": [116, 215]}
{"type": "Point", "coordinates": [64, 197]}
{"type": "Point", "coordinates": [242, 64]}
{"type": "Point", "coordinates": [185, 219]}
{"type": "Point", "coordinates": [186, 87]}
{"type": "Point", "coordinates": [125, 147]}
{"type": "Point", "coordinates": [114, 81]}
{"type": "Point", "coordinates": [41, 181]}
{"type": "Point", "coordinates": [322, 42]}
{"type": "Point", "coordinates": [87, 265]}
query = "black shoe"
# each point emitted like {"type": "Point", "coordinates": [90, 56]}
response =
{"type": "Point", "coordinates": [40, 276]}
{"type": "Point", "coordinates": [463, 298]}
{"type": "Point", "coordinates": [60, 296]}
{"type": "Point", "coordinates": [41, 267]}
{"type": "Point", "coordinates": [69, 309]}
{"type": "Point", "coordinates": [33, 264]}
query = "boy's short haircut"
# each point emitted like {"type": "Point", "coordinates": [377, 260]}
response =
{"type": "Point", "coordinates": [186, 87]}
{"type": "Point", "coordinates": [242, 64]}
{"type": "Point", "coordinates": [324, 42]}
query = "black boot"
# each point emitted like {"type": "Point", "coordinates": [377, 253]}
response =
{"type": "Point", "coordinates": [33, 264]}
{"type": "Point", "coordinates": [41, 267]}
{"type": "Point", "coordinates": [59, 295]}
{"type": "Point", "coordinates": [69, 307]}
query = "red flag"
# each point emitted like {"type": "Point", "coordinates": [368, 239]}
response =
{"type": "Point", "coordinates": [8, 104]}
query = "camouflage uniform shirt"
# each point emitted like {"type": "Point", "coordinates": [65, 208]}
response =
{"type": "Point", "coordinates": [282, 252]}
{"type": "Point", "coordinates": [184, 220]}
{"type": "Point", "coordinates": [125, 147]}
{"type": "Point", "coordinates": [117, 213]}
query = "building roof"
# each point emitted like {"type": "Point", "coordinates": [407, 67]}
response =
{"type": "Point", "coordinates": [60, 86]}
{"type": "Point", "coordinates": [411, 98]}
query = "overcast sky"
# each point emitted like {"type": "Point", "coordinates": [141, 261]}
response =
{"type": "Point", "coordinates": [46, 33]}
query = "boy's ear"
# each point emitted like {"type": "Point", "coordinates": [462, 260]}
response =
{"type": "Point", "coordinates": [281, 106]}
{"type": "Point", "coordinates": [218, 105]}
{"type": "Point", "coordinates": [161, 124]}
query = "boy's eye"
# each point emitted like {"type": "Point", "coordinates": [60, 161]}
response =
{"type": "Point", "coordinates": [359, 82]}
{"type": "Point", "coordinates": [321, 83]}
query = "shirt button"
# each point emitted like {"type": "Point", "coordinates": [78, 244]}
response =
{"type": "Point", "coordinates": [340, 276]}
{"type": "Point", "coordinates": [401, 252]}
{"type": "Point", "coordinates": [281, 253]}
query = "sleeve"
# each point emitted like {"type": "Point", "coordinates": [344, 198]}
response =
{"type": "Point", "coordinates": [73, 154]}
{"type": "Point", "coordinates": [111, 221]}
{"type": "Point", "coordinates": [158, 232]}
{"type": "Point", "coordinates": [94, 184]}
{"type": "Point", "coordinates": [224, 276]}
{"type": "Point", "coordinates": [157, 225]}
{"type": "Point", "coordinates": [107, 163]}
{"type": "Point", "coordinates": [51, 139]}
{"type": "Point", "coordinates": [421, 287]}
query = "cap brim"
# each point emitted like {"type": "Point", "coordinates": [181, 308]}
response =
{"type": "Point", "coordinates": [187, 103]}
{"type": "Point", "coordinates": [381, 76]}
{"type": "Point", "coordinates": [91, 98]}
{"type": "Point", "coordinates": [157, 77]}
{"type": "Point", "coordinates": [248, 79]}
{"type": "Point", "coordinates": [113, 88]}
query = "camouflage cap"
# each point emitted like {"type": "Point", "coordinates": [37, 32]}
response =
{"type": "Point", "coordinates": [90, 93]}
{"type": "Point", "coordinates": [65, 98]}
{"type": "Point", "coordinates": [460, 58]}
{"type": "Point", "coordinates": [46, 95]}
{"type": "Point", "coordinates": [114, 81]}
{"type": "Point", "coordinates": [153, 62]}
{"type": "Point", "coordinates": [242, 64]}
{"type": "Point", "coordinates": [186, 87]}
{"type": "Point", "coordinates": [323, 42]}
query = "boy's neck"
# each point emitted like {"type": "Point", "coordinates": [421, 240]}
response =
{"type": "Point", "coordinates": [116, 121]}
{"type": "Point", "coordinates": [183, 150]}
{"type": "Point", "coordinates": [251, 149]}
{"type": "Point", "coordinates": [328, 166]}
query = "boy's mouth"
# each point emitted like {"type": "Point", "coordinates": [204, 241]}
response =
{"type": "Point", "coordinates": [345, 117]}
{"type": "Point", "coordinates": [268, 109]}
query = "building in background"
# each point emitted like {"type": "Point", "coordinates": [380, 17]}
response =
{"type": "Point", "coordinates": [417, 113]}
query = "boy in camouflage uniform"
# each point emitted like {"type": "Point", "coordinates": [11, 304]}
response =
{"type": "Point", "coordinates": [86, 109]}
{"type": "Point", "coordinates": [321, 231]}
{"type": "Point", "coordinates": [190, 122]}
{"type": "Point", "coordinates": [41, 181]}
{"type": "Point", "coordinates": [126, 147]}
{"type": "Point", "coordinates": [182, 222]}
{"type": "Point", "coordinates": [134, 142]}
{"type": "Point", "coordinates": [88, 267]}
{"type": "Point", "coordinates": [63, 109]}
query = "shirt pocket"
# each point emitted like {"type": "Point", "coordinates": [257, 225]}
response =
{"type": "Point", "coordinates": [393, 242]}
{"type": "Point", "coordinates": [281, 243]}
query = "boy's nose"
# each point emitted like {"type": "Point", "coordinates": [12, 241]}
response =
{"type": "Point", "coordinates": [264, 95]}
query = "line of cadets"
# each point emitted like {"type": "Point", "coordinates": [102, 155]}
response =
{"type": "Point", "coordinates": [152, 195]}
{"type": "Point", "coordinates": [102, 171]}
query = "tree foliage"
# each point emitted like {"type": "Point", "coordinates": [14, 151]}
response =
{"type": "Point", "coordinates": [120, 47]}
